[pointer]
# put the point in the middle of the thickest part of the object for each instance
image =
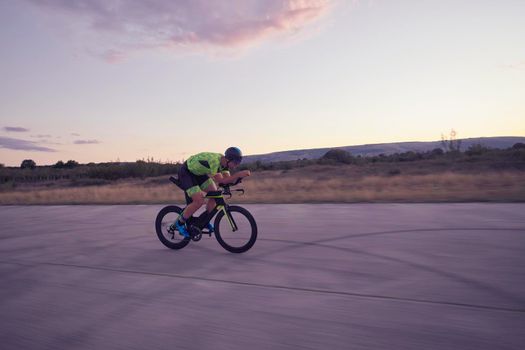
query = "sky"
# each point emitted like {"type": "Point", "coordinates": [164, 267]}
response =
{"type": "Point", "coordinates": [108, 80]}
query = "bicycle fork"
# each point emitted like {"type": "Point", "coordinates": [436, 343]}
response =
{"type": "Point", "coordinates": [229, 216]}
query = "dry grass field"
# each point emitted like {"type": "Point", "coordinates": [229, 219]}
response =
{"type": "Point", "coordinates": [304, 185]}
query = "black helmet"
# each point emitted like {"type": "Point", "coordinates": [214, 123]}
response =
{"type": "Point", "coordinates": [233, 154]}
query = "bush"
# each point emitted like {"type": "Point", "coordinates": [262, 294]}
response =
{"type": "Point", "coordinates": [519, 145]}
{"type": "Point", "coordinates": [70, 164]}
{"type": "Point", "coordinates": [59, 165]}
{"type": "Point", "coordinates": [28, 164]}
{"type": "Point", "coordinates": [476, 150]}
{"type": "Point", "coordinates": [141, 169]}
{"type": "Point", "coordinates": [436, 152]}
{"type": "Point", "coordinates": [409, 156]}
{"type": "Point", "coordinates": [339, 156]}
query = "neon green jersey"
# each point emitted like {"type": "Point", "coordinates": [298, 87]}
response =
{"type": "Point", "coordinates": [205, 163]}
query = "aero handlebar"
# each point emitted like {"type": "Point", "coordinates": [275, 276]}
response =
{"type": "Point", "coordinates": [226, 187]}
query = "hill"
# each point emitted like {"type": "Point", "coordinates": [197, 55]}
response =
{"type": "Point", "coordinates": [382, 148]}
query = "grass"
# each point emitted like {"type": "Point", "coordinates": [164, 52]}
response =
{"type": "Point", "coordinates": [344, 184]}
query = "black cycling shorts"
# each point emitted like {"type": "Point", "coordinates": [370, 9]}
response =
{"type": "Point", "coordinates": [190, 182]}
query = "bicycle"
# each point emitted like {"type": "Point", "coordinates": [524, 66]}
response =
{"type": "Point", "coordinates": [237, 234]}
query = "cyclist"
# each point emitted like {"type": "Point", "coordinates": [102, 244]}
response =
{"type": "Point", "coordinates": [199, 175]}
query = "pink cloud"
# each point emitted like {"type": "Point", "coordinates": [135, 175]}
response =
{"type": "Point", "coordinates": [122, 27]}
{"type": "Point", "coordinates": [113, 56]}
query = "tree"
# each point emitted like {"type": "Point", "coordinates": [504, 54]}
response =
{"type": "Point", "coordinates": [28, 164]}
{"type": "Point", "coordinates": [2, 165]}
{"type": "Point", "coordinates": [451, 145]}
{"type": "Point", "coordinates": [519, 145]}
{"type": "Point", "coordinates": [59, 165]}
{"type": "Point", "coordinates": [70, 164]}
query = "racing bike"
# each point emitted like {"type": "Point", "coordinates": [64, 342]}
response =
{"type": "Point", "coordinates": [234, 227]}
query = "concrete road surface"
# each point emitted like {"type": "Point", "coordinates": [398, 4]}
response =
{"type": "Point", "coordinates": [363, 276]}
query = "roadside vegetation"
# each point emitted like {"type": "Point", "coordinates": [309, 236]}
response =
{"type": "Point", "coordinates": [441, 175]}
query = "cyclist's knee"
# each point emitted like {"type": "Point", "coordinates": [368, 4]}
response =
{"type": "Point", "coordinates": [211, 187]}
{"type": "Point", "coordinates": [198, 199]}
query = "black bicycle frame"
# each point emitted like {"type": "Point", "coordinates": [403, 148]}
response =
{"type": "Point", "coordinates": [220, 204]}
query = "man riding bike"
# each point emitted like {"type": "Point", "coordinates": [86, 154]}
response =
{"type": "Point", "coordinates": [199, 174]}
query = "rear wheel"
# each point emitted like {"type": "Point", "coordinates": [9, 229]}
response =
{"type": "Point", "coordinates": [241, 239]}
{"type": "Point", "coordinates": [170, 238]}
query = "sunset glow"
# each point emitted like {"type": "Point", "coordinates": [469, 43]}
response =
{"type": "Point", "coordinates": [96, 81]}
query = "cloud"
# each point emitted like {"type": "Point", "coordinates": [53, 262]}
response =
{"type": "Point", "coordinates": [47, 142]}
{"type": "Point", "coordinates": [85, 142]}
{"type": "Point", "coordinates": [514, 66]}
{"type": "Point", "coordinates": [122, 27]}
{"type": "Point", "coordinates": [75, 134]}
{"type": "Point", "coordinates": [23, 145]}
{"type": "Point", "coordinates": [15, 129]}
{"type": "Point", "coordinates": [40, 136]}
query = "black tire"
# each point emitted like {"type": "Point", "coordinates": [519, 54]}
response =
{"type": "Point", "coordinates": [160, 227]}
{"type": "Point", "coordinates": [239, 213]}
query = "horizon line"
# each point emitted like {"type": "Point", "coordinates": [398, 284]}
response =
{"type": "Point", "coordinates": [276, 152]}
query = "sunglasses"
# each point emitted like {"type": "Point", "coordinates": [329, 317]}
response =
{"type": "Point", "coordinates": [236, 162]}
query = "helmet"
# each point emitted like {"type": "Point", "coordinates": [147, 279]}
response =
{"type": "Point", "coordinates": [233, 154]}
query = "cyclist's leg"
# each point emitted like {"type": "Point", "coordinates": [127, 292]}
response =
{"type": "Point", "coordinates": [190, 184]}
{"type": "Point", "coordinates": [197, 200]}
{"type": "Point", "coordinates": [207, 187]}
{"type": "Point", "coordinates": [197, 194]}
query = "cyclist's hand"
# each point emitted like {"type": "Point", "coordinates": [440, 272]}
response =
{"type": "Point", "coordinates": [246, 173]}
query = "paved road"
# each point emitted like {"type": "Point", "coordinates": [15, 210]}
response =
{"type": "Point", "coordinates": [364, 276]}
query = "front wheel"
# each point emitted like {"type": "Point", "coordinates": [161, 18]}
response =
{"type": "Point", "coordinates": [237, 231]}
{"type": "Point", "coordinates": [166, 217]}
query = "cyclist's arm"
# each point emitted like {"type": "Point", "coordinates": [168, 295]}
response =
{"type": "Point", "coordinates": [221, 178]}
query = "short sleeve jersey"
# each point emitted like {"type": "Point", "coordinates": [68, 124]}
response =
{"type": "Point", "coordinates": [205, 163]}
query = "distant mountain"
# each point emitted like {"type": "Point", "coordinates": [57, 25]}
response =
{"type": "Point", "coordinates": [385, 148]}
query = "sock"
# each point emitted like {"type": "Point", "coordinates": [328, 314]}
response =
{"type": "Point", "coordinates": [181, 219]}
